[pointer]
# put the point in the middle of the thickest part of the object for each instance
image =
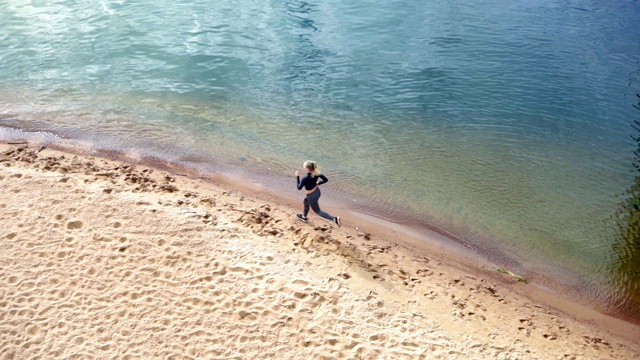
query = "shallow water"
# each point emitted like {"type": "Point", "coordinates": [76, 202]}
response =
{"type": "Point", "coordinates": [508, 125]}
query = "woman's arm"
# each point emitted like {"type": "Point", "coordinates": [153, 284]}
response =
{"type": "Point", "coordinates": [323, 179]}
{"type": "Point", "coordinates": [300, 183]}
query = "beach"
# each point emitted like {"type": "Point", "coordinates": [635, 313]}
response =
{"type": "Point", "coordinates": [105, 256]}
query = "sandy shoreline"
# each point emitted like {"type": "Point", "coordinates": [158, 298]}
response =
{"type": "Point", "coordinates": [107, 259]}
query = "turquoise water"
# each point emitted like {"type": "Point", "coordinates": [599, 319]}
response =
{"type": "Point", "coordinates": [508, 125]}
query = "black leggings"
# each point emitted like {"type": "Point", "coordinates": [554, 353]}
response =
{"type": "Point", "coordinates": [312, 200]}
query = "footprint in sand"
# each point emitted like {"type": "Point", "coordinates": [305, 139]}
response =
{"type": "Point", "coordinates": [116, 225]}
{"type": "Point", "coordinates": [70, 241]}
{"type": "Point", "coordinates": [75, 225]}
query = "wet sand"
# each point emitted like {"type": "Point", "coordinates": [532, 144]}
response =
{"type": "Point", "coordinates": [127, 259]}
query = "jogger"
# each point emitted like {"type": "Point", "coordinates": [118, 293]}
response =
{"type": "Point", "coordinates": [311, 184]}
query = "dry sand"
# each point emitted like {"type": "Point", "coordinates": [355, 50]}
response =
{"type": "Point", "coordinates": [104, 259]}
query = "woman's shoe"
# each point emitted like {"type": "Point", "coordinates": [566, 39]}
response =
{"type": "Point", "coordinates": [337, 220]}
{"type": "Point", "coordinates": [303, 218]}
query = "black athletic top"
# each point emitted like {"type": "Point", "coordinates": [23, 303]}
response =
{"type": "Point", "coordinates": [310, 181]}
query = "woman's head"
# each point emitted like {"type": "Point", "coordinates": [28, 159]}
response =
{"type": "Point", "coordinates": [311, 166]}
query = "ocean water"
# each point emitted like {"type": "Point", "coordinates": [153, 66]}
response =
{"type": "Point", "coordinates": [508, 124]}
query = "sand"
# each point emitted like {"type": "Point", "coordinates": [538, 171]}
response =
{"type": "Point", "coordinates": [113, 259]}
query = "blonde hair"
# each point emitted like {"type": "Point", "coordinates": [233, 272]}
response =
{"type": "Point", "coordinates": [313, 166]}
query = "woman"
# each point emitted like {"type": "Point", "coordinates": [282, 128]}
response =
{"type": "Point", "coordinates": [311, 184]}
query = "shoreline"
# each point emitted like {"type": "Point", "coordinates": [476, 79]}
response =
{"type": "Point", "coordinates": [430, 281]}
{"type": "Point", "coordinates": [268, 184]}
{"type": "Point", "coordinates": [416, 234]}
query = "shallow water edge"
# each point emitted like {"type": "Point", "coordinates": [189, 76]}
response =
{"type": "Point", "coordinates": [414, 232]}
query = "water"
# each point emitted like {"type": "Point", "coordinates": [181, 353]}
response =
{"type": "Point", "coordinates": [506, 124]}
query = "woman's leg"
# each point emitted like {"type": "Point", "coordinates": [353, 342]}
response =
{"type": "Point", "coordinates": [306, 207]}
{"type": "Point", "coordinates": [312, 200]}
